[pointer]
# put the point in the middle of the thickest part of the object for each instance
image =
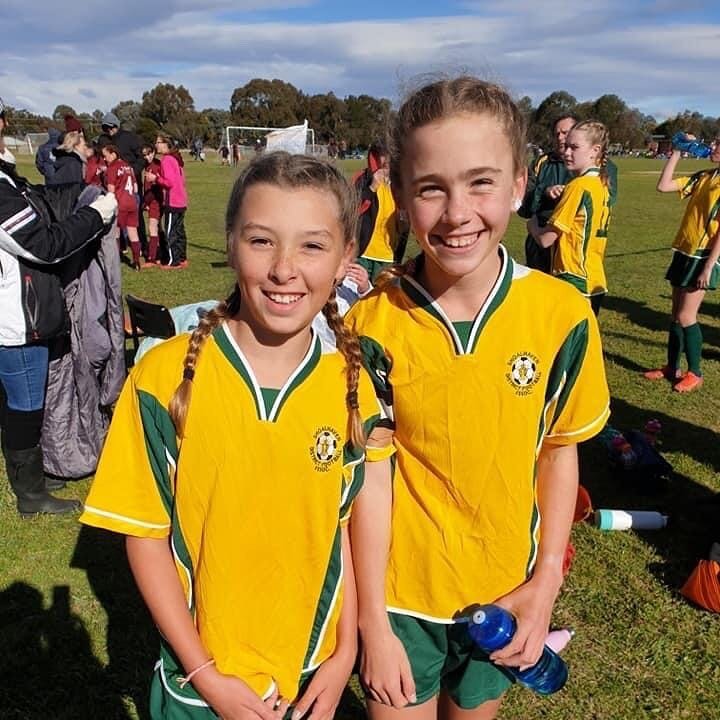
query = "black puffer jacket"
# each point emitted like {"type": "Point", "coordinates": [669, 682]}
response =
{"type": "Point", "coordinates": [37, 232]}
{"type": "Point", "coordinates": [69, 168]}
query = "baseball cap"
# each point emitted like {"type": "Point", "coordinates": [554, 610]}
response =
{"type": "Point", "coordinates": [111, 120]}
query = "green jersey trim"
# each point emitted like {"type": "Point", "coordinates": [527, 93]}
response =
{"type": "Point", "coordinates": [498, 293]}
{"type": "Point", "coordinates": [236, 357]}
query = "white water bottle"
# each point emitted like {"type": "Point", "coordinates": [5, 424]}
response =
{"type": "Point", "coordinates": [629, 519]}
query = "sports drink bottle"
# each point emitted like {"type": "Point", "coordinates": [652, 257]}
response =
{"type": "Point", "coordinates": [699, 149]}
{"type": "Point", "coordinates": [492, 627]}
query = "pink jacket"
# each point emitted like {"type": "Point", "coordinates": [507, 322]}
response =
{"type": "Point", "coordinates": [172, 179]}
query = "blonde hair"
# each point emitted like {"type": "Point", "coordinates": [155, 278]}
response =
{"type": "Point", "coordinates": [458, 96]}
{"type": "Point", "coordinates": [597, 134]}
{"type": "Point", "coordinates": [71, 140]}
{"type": "Point", "coordinates": [285, 171]}
{"type": "Point", "coordinates": [444, 98]}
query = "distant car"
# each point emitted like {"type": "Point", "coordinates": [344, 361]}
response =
{"type": "Point", "coordinates": [356, 155]}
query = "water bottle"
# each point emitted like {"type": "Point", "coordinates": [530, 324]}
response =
{"type": "Point", "coordinates": [699, 149]}
{"type": "Point", "coordinates": [630, 519]}
{"type": "Point", "coordinates": [492, 627]}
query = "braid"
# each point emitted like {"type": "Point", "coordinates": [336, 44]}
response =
{"type": "Point", "coordinates": [603, 167]}
{"type": "Point", "coordinates": [597, 134]}
{"type": "Point", "coordinates": [394, 272]}
{"type": "Point", "coordinates": [180, 401]}
{"type": "Point", "coordinates": [349, 345]}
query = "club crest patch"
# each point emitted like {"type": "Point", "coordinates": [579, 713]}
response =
{"type": "Point", "coordinates": [326, 448]}
{"type": "Point", "coordinates": [523, 372]}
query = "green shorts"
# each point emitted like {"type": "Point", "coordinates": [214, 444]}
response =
{"type": "Point", "coordinates": [685, 269]}
{"type": "Point", "coordinates": [443, 657]}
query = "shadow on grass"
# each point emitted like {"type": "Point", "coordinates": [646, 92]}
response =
{"type": "Point", "coordinates": [132, 641]}
{"type": "Point", "coordinates": [48, 666]}
{"type": "Point", "coordinates": [693, 508]}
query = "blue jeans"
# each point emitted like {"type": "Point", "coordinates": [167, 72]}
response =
{"type": "Point", "coordinates": [23, 375]}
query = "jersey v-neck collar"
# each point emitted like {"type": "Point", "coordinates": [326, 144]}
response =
{"type": "Point", "coordinates": [231, 350]}
{"type": "Point", "coordinates": [499, 291]}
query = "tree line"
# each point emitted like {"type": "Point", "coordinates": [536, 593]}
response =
{"type": "Point", "coordinates": [356, 119]}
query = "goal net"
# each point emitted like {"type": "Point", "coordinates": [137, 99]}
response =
{"type": "Point", "coordinates": [34, 140]}
{"type": "Point", "coordinates": [245, 141]}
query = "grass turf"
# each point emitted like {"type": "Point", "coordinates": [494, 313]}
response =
{"type": "Point", "coordinates": [76, 641]}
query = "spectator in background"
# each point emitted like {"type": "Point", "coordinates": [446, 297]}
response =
{"type": "Point", "coordinates": [224, 155]}
{"type": "Point", "coordinates": [72, 124]}
{"type": "Point", "coordinates": [152, 201]}
{"type": "Point", "coordinates": [96, 167]}
{"type": "Point", "coordinates": [547, 177]}
{"type": "Point", "coordinates": [32, 313]}
{"type": "Point", "coordinates": [45, 156]}
{"type": "Point", "coordinates": [172, 179]}
{"type": "Point", "coordinates": [70, 160]}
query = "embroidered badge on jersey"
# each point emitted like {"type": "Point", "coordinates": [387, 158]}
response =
{"type": "Point", "coordinates": [523, 373]}
{"type": "Point", "coordinates": [326, 448]}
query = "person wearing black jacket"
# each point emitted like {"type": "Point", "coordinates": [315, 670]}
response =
{"type": "Point", "coordinates": [70, 159]}
{"type": "Point", "coordinates": [38, 231]}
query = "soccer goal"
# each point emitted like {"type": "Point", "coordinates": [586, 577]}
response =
{"type": "Point", "coordinates": [247, 140]}
{"type": "Point", "coordinates": [34, 141]}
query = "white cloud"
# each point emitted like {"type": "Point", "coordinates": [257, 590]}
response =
{"type": "Point", "coordinates": [535, 48]}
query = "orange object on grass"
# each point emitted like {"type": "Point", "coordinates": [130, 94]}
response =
{"type": "Point", "coordinates": [703, 585]}
{"type": "Point", "coordinates": [583, 505]}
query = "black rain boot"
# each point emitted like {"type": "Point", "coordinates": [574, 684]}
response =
{"type": "Point", "coordinates": [54, 483]}
{"type": "Point", "coordinates": [25, 472]}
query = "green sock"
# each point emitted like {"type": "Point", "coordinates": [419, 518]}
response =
{"type": "Point", "coordinates": [693, 347]}
{"type": "Point", "coordinates": [676, 345]}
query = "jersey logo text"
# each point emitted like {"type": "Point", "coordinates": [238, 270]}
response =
{"type": "Point", "coordinates": [523, 373]}
{"type": "Point", "coordinates": [325, 449]}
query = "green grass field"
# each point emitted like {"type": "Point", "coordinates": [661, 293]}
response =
{"type": "Point", "coordinates": [76, 642]}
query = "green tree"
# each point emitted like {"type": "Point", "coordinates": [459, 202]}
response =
{"type": "Point", "coordinates": [167, 103]}
{"type": "Point", "coordinates": [128, 112]}
{"type": "Point", "coordinates": [216, 120]}
{"type": "Point", "coordinates": [553, 106]}
{"type": "Point", "coordinates": [267, 103]}
{"type": "Point", "coordinates": [367, 119]}
{"type": "Point", "coordinates": [61, 111]}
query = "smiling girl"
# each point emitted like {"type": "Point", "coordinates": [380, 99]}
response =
{"type": "Point", "coordinates": [234, 489]}
{"type": "Point", "coordinates": [577, 229]}
{"type": "Point", "coordinates": [488, 406]}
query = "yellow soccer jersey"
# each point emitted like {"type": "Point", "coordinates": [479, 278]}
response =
{"type": "Point", "coordinates": [470, 419]}
{"type": "Point", "coordinates": [384, 237]}
{"type": "Point", "coordinates": [701, 220]}
{"type": "Point", "coordinates": [252, 499]}
{"type": "Point", "coordinates": [582, 217]}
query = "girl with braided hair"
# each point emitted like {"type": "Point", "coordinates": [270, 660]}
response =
{"type": "Point", "coordinates": [577, 229]}
{"type": "Point", "coordinates": [493, 373]}
{"type": "Point", "coordinates": [235, 487]}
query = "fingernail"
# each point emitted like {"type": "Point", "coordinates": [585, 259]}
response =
{"type": "Point", "coordinates": [413, 698]}
{"type": "Point", "coordinates": [297, 715]}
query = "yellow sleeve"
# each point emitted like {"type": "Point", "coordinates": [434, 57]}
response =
{"type": "Point", "coordinates": [579, 404]}
{"type": "Point", "coordinates": [566, 210]}
{"type": "Point", "coordinates": [685, 185]}
{"type": "Point", "coordinates": [132, 491]}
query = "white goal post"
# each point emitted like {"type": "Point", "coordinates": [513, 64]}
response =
{"type": "Point", "coordinates": [309, 142]}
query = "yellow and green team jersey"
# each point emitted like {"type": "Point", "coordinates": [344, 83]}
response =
{"type": "Point", "coordinates": [384, 236]}
{"type": "Point", "coordinates": [582, 218]}
{"type": "Point", "coordinates": [252, 500]}
{"type": "Point", "coordinates": [701, 220]}
{"type": "Point", "coordinates": [471, 415]}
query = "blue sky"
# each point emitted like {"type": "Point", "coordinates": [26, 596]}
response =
{"type": "Point", "coordinates": [658, 55]}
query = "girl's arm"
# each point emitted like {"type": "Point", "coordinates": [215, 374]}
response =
{"type": "Point", "coordinates": [325, 689]}
{"type": "Point", "coordinates": [545, 236]}
{"type": "Point", "coordinates": [666, 182]}
{"type": "Point", "coordinates": [153, 567]}
{"type": "Point", "coordinates": [532, 602]}
{"type": "Point", "coordinates": [385, 669]}
{"type": "Point", "coordinates": [703, 281]}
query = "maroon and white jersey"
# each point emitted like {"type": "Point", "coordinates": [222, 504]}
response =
{"type": "Point", "coordinates": [121, 176]}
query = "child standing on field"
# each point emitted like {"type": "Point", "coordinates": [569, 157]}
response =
{"type": "Point", "coordinates": [577, 229]}
{"type": "Point", "coordinates": [234, 487]}
{"type": "Point", "coordinates": [493, 373]}
{"type": "Point", "coordinates": [152, 201]}
{"type": "Point", "coordinates": [120, 179]}
{"type": "Point", "coordinates": [694, 268]}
